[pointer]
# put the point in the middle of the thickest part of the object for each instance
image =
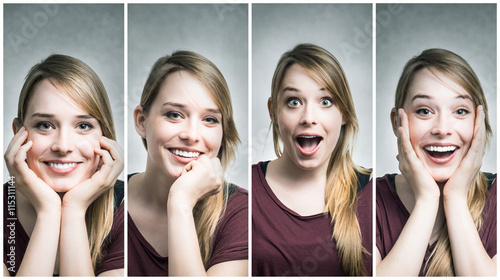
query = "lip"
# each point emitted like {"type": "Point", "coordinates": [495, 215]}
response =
{"type": "Point", "coordinates": [184, 159]}
{"type": "Point", "coordinates": [308, 152]}
{"type": "Point", "coordinates": [440, 160]}
{"type": "Point", "coordinates": [62, 167]}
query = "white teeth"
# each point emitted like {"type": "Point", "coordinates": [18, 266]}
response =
{"type": "Point", "coordinates": [62, 165]}
{"type": "Point", "coordinates": [185, 153]}
{"type": "Point", "coordinates": [440, 149]}
{"type": "Point", "coordinates": [308, 136]}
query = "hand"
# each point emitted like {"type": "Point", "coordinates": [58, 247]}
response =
{"type": "Point", "coordinates": [199, 178]}
{"type": "Point", "coordinates": [412, 168]}
{"type": "Point", "coordinates": [463, 178]}
{"type": "Point", "coordinates": [83, 194]}
{"type": "Point", "coordinates": [40, 195]}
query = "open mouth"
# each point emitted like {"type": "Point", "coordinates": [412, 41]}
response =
{"type": "Point", "coordinates": [184, 154]}
{"type": "Point", "coordinates": [440, 152]}
{"type": "Point", "coordinates": [308, 144]}
{"type": "Point", "coordinates": [62, 168]}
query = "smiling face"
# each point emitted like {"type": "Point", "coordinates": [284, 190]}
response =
{"type": "Point", "coordinates": [64, 137]}
{"type": "Point", "coordinates": [182, 124]}
{"type": "Point", "coordinates": [309, 122]}
{"type": "Point", "coordinates": [441, 118]}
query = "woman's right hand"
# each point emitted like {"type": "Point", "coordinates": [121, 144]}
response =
{"type": "Point", "coordinates": [410, 165]}
{"type": "Point", "coordinates": [39, 194]}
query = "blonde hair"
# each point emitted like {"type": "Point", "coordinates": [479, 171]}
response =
{"type": "Point", "coordinates": [208, 211]}
{"type": "Point", "coordinates": [77, 81]}
{"type": "Point", "coordinates": [457, 69]}
{"type": "Point", "coordinates": [341, 188]}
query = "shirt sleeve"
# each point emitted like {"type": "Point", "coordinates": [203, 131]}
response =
{"type": "Point", "coordinates": [231, 236]}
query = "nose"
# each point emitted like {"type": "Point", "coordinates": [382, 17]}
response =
{"type": "Point", "coordinates": [308, 116]}
{"type": "Point", "coordinates": [63, 142]}
{"type": "Point", "coordinates": [190, 132]}
{"type": "Point", "coordinates": [442, 125]}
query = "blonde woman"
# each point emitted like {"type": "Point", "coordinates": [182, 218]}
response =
{"type": "Point", "coordinates": [438, 217]}
{"type": "Point", "coordinates": [311, 210]}
{"type": "Point", "coordinates": [63, 163]}
{"type": "Point", "coordinates": [184, 219]}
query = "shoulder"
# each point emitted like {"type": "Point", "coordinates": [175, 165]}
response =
{"type": "Point", "coordinates": [363, 177]}
{"type": "Point", "coordinates": [119, 193]}
{"type": "Point", "coordinates": [237, 198]}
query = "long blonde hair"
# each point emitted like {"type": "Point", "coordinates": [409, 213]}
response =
{"type": "Point", "coordinates": [208, 211]}
{"type": "Point", "coordinates": [341, 188]}
{"type": "Point", "coordinates": [77, 81]}
{"type": "Point", "coordinates": [457, 69]}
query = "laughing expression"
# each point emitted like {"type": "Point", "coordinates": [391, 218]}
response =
{"type": "Point", "coordinates": [182, 124]}
{"type": "Point", "coordinates": [441, 118]}
{"type": "Point", "coordinates": [309, 121]}
{"type": "Point", "coordinates": [64, 137]}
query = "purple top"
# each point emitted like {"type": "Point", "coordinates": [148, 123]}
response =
{"type": "Point", "coordinates": [15, 239]}
{"type": "Point", "coordinates": [230, 240]}
{"type": "Point", "coordinates": [392, 216]}
{"type": "Point", "coordinates": [285, 243]}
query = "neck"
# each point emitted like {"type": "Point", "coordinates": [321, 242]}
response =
{"type": "Point", "coordinates": [153, 186]}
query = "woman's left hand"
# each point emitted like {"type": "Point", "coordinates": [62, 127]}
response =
{"type": "Point", "coordinates": [460, 182]}
{"type": "Point", "coordinates": [199, 178]}
{"type": "Point", "coordinates": [82, 195]}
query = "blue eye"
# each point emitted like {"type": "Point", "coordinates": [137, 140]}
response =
{"type": "Point", "coordinates": [423, 111]}
{"type": "Point", "coordinates": [212, 120]}
{"type": "Point", "coordinates": [173, 115]}
{"type": "Point", "coordinates": [293, 102]}
{"type": "Point", "coordinates": [326, 102]}
{"type": "Point", "coordinates": [43, 125]}
{"type": "Point", "coordinates": [462, 112]}
{"type": "Point", "coordinates": [85, 126]}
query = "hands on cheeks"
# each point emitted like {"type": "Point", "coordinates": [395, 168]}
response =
{"type": "Point", "coordinates": [411, 166]}
{"type": "Point", "coordinates": [199, 179]}
{"type": "Point", "coordinates": [463, 178]}
{"type": "Point", "coordinates": [40, 195]}
{"type": "Point", "coordinates": [83, 194]}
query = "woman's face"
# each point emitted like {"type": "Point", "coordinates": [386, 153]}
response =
{"type": "Point", "coordinates": [182, 124]}
{"type": "Point", "coordinates": [309, 121]}
{"type": "Point", "coordinates": [64, 137]}
{"type": "Point", "coordinates": [441, 118]}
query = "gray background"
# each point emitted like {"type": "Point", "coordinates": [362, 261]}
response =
{"type": "Point", "coordinates": [404, 31]}
{"type": "Point", "coordinates": [91, 33]}
{"type": "Point", "coordinates": [345, 30]}
{"type": "Point", "coordinates": [218, 32]}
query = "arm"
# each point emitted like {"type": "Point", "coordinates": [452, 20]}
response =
{"type": "Point", "coordinates": [40, 256]}
{"type": "Point", "coordinates": [74, 251]}
{"type": "Point", "coordinates": [470, 259]}
{"type": "Point", "coordinates": [201, 178]}
{"type": "Point", "coordinates": [405, 258]}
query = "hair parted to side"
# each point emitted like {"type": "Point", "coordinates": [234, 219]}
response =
{"type": "Point", "coordinates": [458, 70]}
{"type": "Point", "coordinates": [77, 81]}
{"type": "Point", "coordinates": [208, 211]}
{"type": "Point", "coordinates": [341, 188]}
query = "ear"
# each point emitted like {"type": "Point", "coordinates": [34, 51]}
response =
{"type": "Point", "coordinates": [16, 125]}
{"type": "Point", "coordinates": [140, 121]}
{"type": "Point", "coordinates": [270, 110]}
{"type": "Point", "coordinates": [394, 116]}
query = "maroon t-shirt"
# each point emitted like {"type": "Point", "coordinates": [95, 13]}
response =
{"type": "Point", "coordinates": [285, 243]}
{"type": "Point", "coordinates": [230, 240]}
{"type": "Point", "coordinates": [15, 239]}
{"type": "Point", "coordinates": [392, 216]}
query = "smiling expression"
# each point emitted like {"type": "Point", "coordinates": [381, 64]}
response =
{"type": "Point", "coordinates": [64, 137]}
{"type": "Point", "coordinates": [182, 124]}
{"type": "Point", "coordinates": [441, 118]}
{"type": "Point", "coordinates": [309, 122]}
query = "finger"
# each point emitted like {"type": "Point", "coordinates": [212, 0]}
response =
{"type": "Point", "coordinates": [20, 158]}
{"type": "Point", "coordinates": [16, 142]}
{"type": "Point", "coordinates": [107, 166]}
{"type": "Point", "coordinates": [113, 147]}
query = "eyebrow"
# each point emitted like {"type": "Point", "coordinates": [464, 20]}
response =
{"type": "Point", "coordinates": [289, 88]}
{"type": "Point", "coordinates": [50, 116]}
{"type": "Point", "coordinates": [182, 106]}
{"type": "Point", "coordinates": [424, 96]}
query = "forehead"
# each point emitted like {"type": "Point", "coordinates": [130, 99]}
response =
{"type": "Point", "coordinates": [185, 88]}
{"type": "Point", "coordinates": [434, 84]}
{"type": "Point", "coordinates": [47, 98]}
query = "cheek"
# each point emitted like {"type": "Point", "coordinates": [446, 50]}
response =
{"type": "Point", "coordinates": [213, 139]}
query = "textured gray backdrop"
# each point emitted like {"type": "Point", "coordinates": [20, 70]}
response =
{"type": "Point", "coordinates": [91, 33]}
{"type": "Point", "coordinates": [405, 30]}
{"type": "Point", "coordinates": [218, 32]}
{"type": "Point", "coordinates": [345, 30]}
